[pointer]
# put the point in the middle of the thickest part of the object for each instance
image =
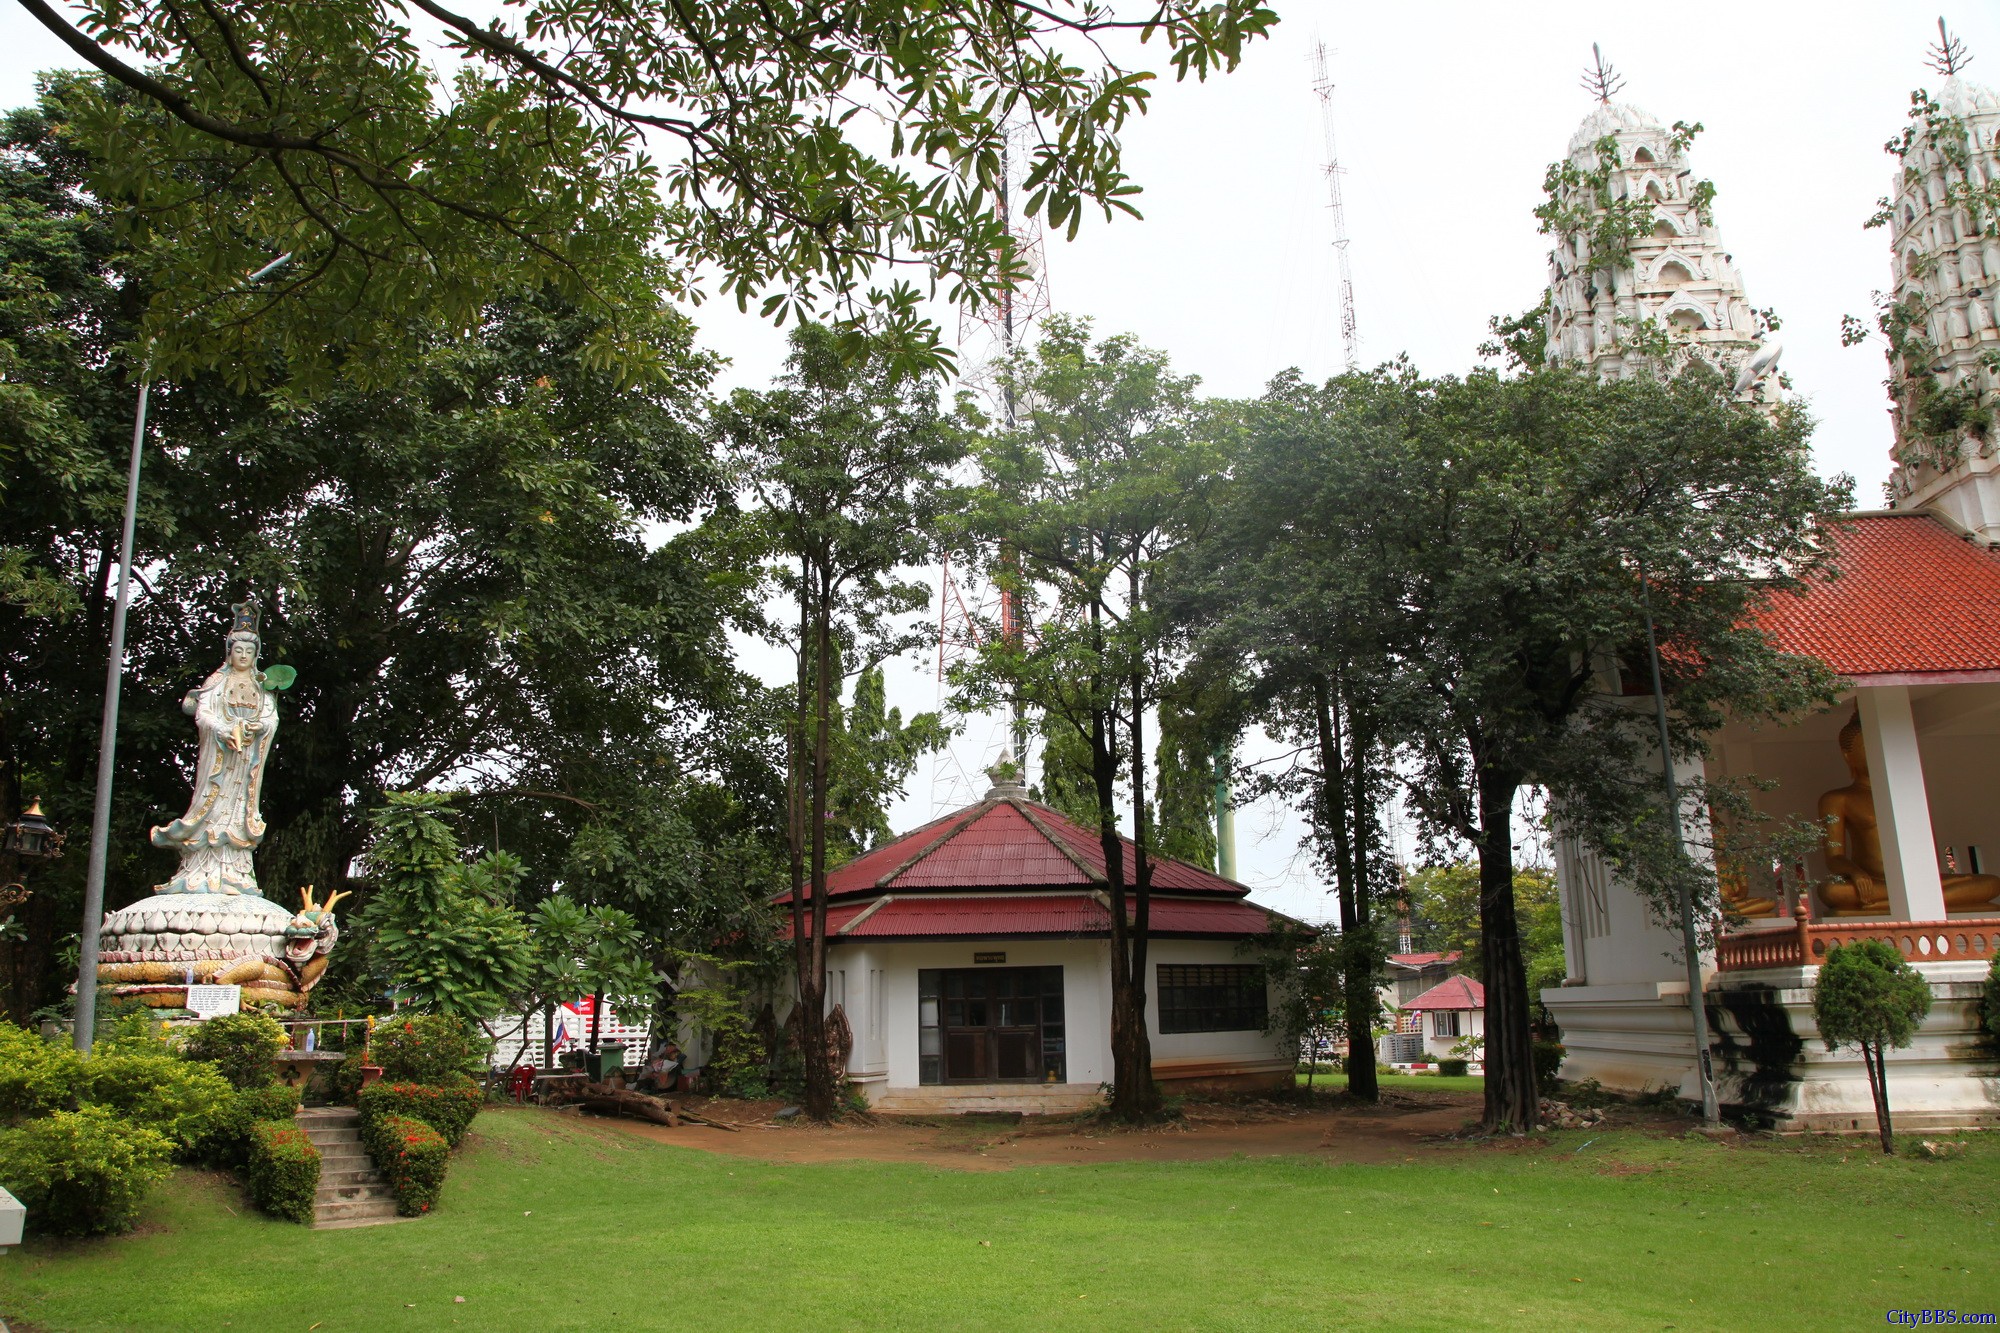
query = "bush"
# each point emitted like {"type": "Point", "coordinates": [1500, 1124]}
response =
{"type": "Point", "coordinates": [1451, 1068]}
{"type": "Point", "coordinates": [1548, 1057]}
{"type": "Point", "coordinates": [448, 1109]}
{"type": "Point", "coordinates": [283, 1171]}
{"type": "Point", "coordinates": [347, 1077]}
{"type": "Point", "coordinates": [156, 1089]}
{"type": "Point", "coordinates": [427, 1048]}
{"type": "Point", "coordinates": [243, 1047]}
{"type": "Point", "coordinates": [1990, 1003]}
{"type": "Point", "coordinates": [83, 1173]}
{"type": "Point", "coordinates": [37, 1076]}
{"type": "Point", "coordinates": [225, 1140]}
{"type": "Point", "coordinates": [412, 1155]}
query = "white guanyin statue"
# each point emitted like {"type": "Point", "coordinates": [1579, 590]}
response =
{"type": "Point", "coordinates": [235, 713]}
{"type": "Point", "coordinates": [209, 923]}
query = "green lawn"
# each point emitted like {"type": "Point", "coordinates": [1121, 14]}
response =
{"type": "Point", "coordinates": [551, 1224]}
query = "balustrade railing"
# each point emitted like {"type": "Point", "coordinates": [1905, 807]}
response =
{"type": "Point", "coordinates": [1975, 939]}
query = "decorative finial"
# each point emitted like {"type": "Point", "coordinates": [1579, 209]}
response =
{"type": "Point", "coordinates": [1947, 55]}
{"type": "Point", "coordinates": [1601, 80]}
{"type": "Point", "coordinates": [1006, 776]}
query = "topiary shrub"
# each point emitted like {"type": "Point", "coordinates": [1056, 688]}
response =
{"type": "Point", "coordinates": [449, 1109]}
{"type": "Point", "coordinates": [348, 1076]}
{"type": "Point", "coordinates": [1989, 1004]}
{"type": "Point", "coordinates": [225, 1139]}
{"type": "Point", "coordinates": [37, 1076]}
{"type": "Point", "coordinates": [426, 1048]}
{"type": "Point", "coordinates": [413, 1156]}
{"type": "Point", "coordinates": [242, 1047]}
{"type": "Point", "coordinates": [283, 1170]}
{"type": "Point", "coordinates": [159, 1090]}
{"type": "Point", "coordinates": [1868, 997]}
{"type": "Point", "coordinates": [84, 1172]}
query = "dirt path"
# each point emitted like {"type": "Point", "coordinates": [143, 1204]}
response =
{"type": "Point", "coordinates": [1398, 1129]}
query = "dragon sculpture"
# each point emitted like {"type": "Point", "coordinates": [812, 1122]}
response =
{"type": "Point", "coordinates": [158, 953]}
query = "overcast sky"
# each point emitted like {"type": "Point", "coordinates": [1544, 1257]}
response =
{"type": "Point", "coordinates": [1448, 114]}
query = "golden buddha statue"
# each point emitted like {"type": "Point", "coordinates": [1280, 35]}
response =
{"type": "Point", "coordinates": [1854, 845]}
{"type": "Point", "coordinates": [1732, 879]}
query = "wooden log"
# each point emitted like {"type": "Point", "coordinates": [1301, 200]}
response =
{"type": "Point", "coordinates": [608, 1100]}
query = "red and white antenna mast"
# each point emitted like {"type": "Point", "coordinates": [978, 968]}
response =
{"type": "Point", "coordinates": [990, 335]}
{"type": "Point", "coordinates": [1323, 88]}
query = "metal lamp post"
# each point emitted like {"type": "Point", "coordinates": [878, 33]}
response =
{"type": "Point", "coordinates": [1711, 1113]}
{"type": "Point", "coordinates": [107, 735]}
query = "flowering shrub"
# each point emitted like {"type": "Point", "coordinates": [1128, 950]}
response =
{"type": "Point", "coordinates": [412, 1155]}
{"type": "Point", "coordinates": [283, 1173]}
{"type": "Point", "coordinates": [84, 1172]}
{"type": "Point", "coordinates": [448, 1109]}
{"type": "Point", "coordinates": [426, 1048]}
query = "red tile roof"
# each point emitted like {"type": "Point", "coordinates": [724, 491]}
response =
{"type": "Point", "coordinates": [932, 916]}
{"type": "Point", "coordinates": [1913, 599]}
{"type": "Point", "coordinates": [1424, 959]}
{"type": "Point", "coordinates": [1005, 842]}
{"type": "Point", "coordinates": [1451, 993]}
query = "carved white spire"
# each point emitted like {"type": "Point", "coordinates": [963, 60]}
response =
{"type": "Point", "coordinates": [1943, 323]}
{"type": "Point", "coordinates": [1659, 266]}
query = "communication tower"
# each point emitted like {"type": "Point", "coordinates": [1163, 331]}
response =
{"type": "Point", "coordinates": [988, 336]}
{"type": "Point", "coordinates": [1323, 89]}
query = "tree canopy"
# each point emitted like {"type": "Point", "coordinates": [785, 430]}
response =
{"type": "Point", "coordinates": [790, 155]}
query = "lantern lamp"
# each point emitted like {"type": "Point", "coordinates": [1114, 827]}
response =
{"type": "Point", "coordinates": [31, 838]}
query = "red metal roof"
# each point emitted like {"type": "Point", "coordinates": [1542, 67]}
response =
{"type": "Point", "coordinates": [931, 916]}
{"type": "Point", "coordinates": [1005, 842]}
{"type": "Point", "coordinates": [1451, 993]}
{"type": "Point", "coordinates": [1913, 599]}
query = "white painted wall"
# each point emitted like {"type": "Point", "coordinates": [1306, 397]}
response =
{"type": "Point", "coordinates": [869, 977]}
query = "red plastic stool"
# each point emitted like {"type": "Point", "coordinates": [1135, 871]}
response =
{"type": "Point", "coordinates": [522, 1085]}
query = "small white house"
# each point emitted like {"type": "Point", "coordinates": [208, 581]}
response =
{"type": "Point", "coordinates": [1447, 1013]}
{"type": "Point", "coordinates": [971, 959]}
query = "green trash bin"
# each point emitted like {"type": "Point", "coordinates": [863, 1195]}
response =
{"type": "Point", "coordinates": [605, 1061]}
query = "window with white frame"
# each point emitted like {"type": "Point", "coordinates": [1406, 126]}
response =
{"type": "Point", "coordinates": [1444, 1022]}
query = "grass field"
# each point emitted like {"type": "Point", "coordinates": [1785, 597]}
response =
{"type": "Point", "coordinates": [1405, 1082]}
{"type": "Point", "coordinates": [549, 1223]}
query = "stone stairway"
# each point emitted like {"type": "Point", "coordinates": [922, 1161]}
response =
{"type": "Point", "coordinates": [352, 1193]}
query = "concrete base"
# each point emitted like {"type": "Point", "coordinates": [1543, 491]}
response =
{"type": "Point", "coordinates": [978, 1098]}
{"type": "Point", "coordinates": [1771, 1066]}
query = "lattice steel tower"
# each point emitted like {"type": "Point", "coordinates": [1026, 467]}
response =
{"type": "Point", "coordinates": [1323, 88]}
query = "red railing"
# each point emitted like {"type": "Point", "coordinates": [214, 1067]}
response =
{"type": "Point", "coordinates": [1975, 938]}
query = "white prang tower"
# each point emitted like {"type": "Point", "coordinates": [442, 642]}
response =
{"type": "Point", "coordinates": [1673, 273]}
{"type": "Point", "coordinates": [1944, 343]}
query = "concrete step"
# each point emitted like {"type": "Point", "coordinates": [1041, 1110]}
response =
{"type": "Point", "coordinates": [353, 1210]}
{"type": "Point", "coordinates": [367, 1189]}
{"type": "Point", "coordinates": [349, 1176]}
{"type": "Point", "coordinates": [323, 1141]}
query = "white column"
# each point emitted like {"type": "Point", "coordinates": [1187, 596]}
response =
{"type": "Point", "coordinates": [1902, 806]}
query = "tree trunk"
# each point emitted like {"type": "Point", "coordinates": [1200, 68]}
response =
{"type": "Point", "coordinates": [1358, 998]}
{"type": "Point", "coordinates": [1513, 1103]}
{"type": "Point", "coordinates": [1145, 1101]}
{"type": "Point", "coordinates": [1873, 1059]}
{"type": "Point", "coordinates": [822, 1079]}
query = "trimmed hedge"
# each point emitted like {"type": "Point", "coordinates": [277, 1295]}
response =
{"type": "Point", "coordinates": [157, 1089]}
{"type": "Point", "coordinates": [225, 1140]}
{"type": "Point", "coordinates": [84, 1172]}
{"type": "Point", "coordinates": [448, 1109]}
{"type": "Point", "coordinates": [283, 1174]}
{"type": "Point", "coordinates": [413, 1156]}
{"type": "Point", "coordinates": [37, 1076]}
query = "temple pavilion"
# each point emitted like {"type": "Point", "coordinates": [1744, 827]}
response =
{"type": "Point", "coordinates": [1905, 769]}
{"type": "Point", "coordinates": [971, 960]}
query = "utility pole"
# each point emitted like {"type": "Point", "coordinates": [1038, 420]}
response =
{"type": "Point", "coordinates": [1323, 88]}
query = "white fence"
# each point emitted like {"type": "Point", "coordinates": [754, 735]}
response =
{"type": "Point", "coordinates": [535, 1046]}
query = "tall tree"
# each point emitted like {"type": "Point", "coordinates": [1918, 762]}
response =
{"type": "Point", "coordinates": [1105, 476]}
{"type": "Point", "coordinates": [784, 151]}
{"type": "Point", "coordinates": [459, 566]}
{"type": "Point", "coordinates": [874, 753]}
{"type": "Point", "coordinates": [1495, 531]}
{"type": "Point", "coordinates": [845, 461]}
